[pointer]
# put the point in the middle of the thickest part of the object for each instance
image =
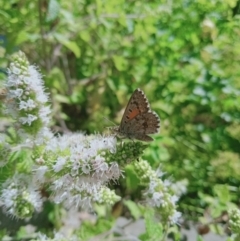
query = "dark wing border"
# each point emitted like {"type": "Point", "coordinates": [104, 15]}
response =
{"type": "Point", "coordinates": [132, 96]}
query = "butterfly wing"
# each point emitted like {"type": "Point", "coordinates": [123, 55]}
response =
{"type": "Point", "coordinates": [138, 120]}
{"type": "Point", "coordinates": [149, 123]}
{"type": "Point", "coordinates": [137, 104]}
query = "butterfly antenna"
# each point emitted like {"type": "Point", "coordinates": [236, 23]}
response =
{"type": "Point", "coordinates": [109, 120]}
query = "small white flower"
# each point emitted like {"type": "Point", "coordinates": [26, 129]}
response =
{"type": "Point", "coordinates": [58, 236]}
{"type": "Point", "coordinates": [34, 198]}
{"type": "Point", "coordinates": [175, 217]}
{"type": "Point", "coordinates": [100, 167]}
{"type": "Point", "coordinates": [13, 80]}
{"type": "Point", "coordinates": [157, 198]}
{"type": "Point", "coordinates": [15, 69]}
{"type": "Point", "coordinates": [52, 145]}
{"type": "Point", "coordinates": [61, 197]}
{"type": "Point", "coordinates": [63, 142]}
{"type": "Point", "coordinates": [61, 161]}
{"type": "Point", "coordinates": [42, 237]}
{"type": "Point", "coordinates": [114, 171]}
{"type": "Point", "coordinates": [17, 93]}
{"type": "Point", "coordinates": [86, 169]}
{"type": "Point", "coordinates": [57, 184]}
{"type": "Point", "coordinates": [27, 80]}
{"type": "Point", "coordinates": [40, 172]}
{"type": "Point", "coordinates": [98, 161]}
{"type": "Point", "coordinates": [42, 98]}
{"type": "Point", "coordinates": [152, 186]}
{"type": "Point", "coordinates": [31, 104]}
{"type": "Point", "coordinates": [174, 199]}
{"type": "Point", "coordinates": [44, 136]}
{"type": "Point", "coordinates": [44, 114]}
{"type": "Point", "coordinates": [21, 76]}
{"type": "Point", "coordinates": [74, 172]}
{"type": "Point", "coordinates": [110, 143]}
{"type": "Point", "coordinates": [159, 172]}
{"type": "Point", "coordinates": [27, 105]}
{"type": "Point", "coordinates": [103, 167]}
{"type": "Point", "coordinates": [75, 201]}
{"type": "Point", "coordinates": [75, 164]}
{"type": "Point", "coordinates": [23, 105]}
{"type": "Point", "coordinates": [167, 183]}
{"type": "Point", "coordinates": [28, 120]}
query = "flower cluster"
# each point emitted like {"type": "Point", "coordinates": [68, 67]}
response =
{"type": "Point", "coordinates": [20, 196]}
{"type": "Point", "coordinates": [79, 169]}
{"type": "Point", "coordinates": [26, 100]}
{"type": "Point", "coordinates": [234, 221]}
{"type": "Point", "coordinates": [157, 193]}
{"type": "Point", "coordinates": [72, 169]}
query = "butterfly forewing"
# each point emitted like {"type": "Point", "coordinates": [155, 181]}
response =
{"type": "Point", "coordinates": [138, 119]}
{"type": "Point", "coordinates": [137, 104]}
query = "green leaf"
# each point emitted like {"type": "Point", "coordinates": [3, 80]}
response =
{"type": "Point", "coordinates": [200, 238]}
{"type": "Point", "coordinates": [62, 99]}
{"type": "Point", "coordinates": [73, 47]}
{"type": "Point", "coordinates": [122, 20]}
{"type": "Point", "coordinates": [21, 37]}
{"type": "Point", "coordinates": [132, 180]}
{"type": "Point", "coordinates": [56, 80]}
{"type": "Point", "coordinates": [134, 209]}
{"type": "Point", "coordinates": [154, 230]}
{"type": "Point", "coordinates": [99, 7]}
{"type": "Point", "coordinates": [222, 191]}
{"type": "Point", "coordinates": [90, 229]}
{"type": "Point", "coordinates": [119, 62]}
{"type": "Point", "coordinates": [85, 35]}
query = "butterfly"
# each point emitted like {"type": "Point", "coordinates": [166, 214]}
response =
{"type": "Point", "coordinates": [138, 119]}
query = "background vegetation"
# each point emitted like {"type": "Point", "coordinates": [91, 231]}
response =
{"type": "Point", "coordinates": [184, 54]}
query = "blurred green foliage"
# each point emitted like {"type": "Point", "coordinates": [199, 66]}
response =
{"type": "Point", "coordinates": [184, 54]}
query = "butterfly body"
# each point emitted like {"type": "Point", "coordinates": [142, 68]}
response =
{"type": "Point", "coordinates": [138, 119]}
